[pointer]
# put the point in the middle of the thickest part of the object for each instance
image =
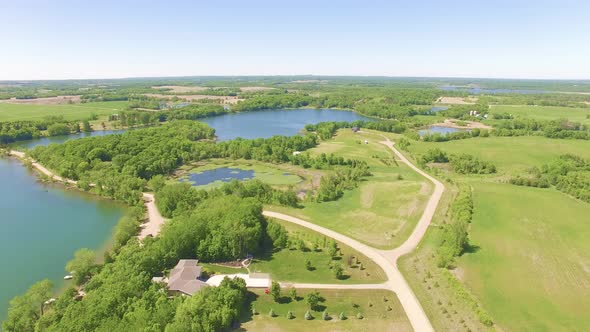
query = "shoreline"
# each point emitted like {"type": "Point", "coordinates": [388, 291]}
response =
{"type": "Point", "coordinates": [153, 222]}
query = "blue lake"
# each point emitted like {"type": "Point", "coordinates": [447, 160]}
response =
{"type": "Point", "coordinates": [264, 124]}
{"type": "Point", "coordinates": [223, 174]}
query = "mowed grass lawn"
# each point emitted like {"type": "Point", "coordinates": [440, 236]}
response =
{"type": "Point", "coordinates": [544, 112]}
{"type": "Point", "coordinates": [384, 209]}
{"type": "Point", "coordinates": [532, 271]}
{"type": "Point", "coordinates": [288, 265]}
{"type": "Point", "coordinates": [509, 154]}
{"type": "Point", "coordinates": [377, 314]}
{"type": "Point", "coordinates": [13, 112]}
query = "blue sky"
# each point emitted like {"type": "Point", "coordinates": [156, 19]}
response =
{"type": "Point", "coordinates": [56, 39]}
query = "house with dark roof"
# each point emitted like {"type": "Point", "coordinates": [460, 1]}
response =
{"type": "Point", "coordinates": [184, 277]}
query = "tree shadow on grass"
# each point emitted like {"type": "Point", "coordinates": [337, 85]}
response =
{"type": "Point", "coordinates": [471, 249]}
{"type": "Point", "coordinates": [284, 300]}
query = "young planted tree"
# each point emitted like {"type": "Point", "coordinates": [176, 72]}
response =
{"type": "Point", "coordinates": [293, 294]}
{"type": "Point", "coordinates": [313, 299]}
{"type": "Point", "coordinates": [338, 271]}
{"type": "Point", "coordinates": [275, 291]}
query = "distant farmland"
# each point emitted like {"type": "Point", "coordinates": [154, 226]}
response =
{"type": "Point", "coordinates": [12, 112]}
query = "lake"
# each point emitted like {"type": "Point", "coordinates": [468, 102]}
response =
{"type": "Point", "coordinates": [269, 123]}
{"type": "Point", "coordinates": [42, 226]}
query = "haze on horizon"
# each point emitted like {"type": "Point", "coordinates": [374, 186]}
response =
{"type": "Point", "coordinates": [45, 39]}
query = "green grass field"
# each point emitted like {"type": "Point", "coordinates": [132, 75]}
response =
{"type": "Point", "coordinates": [12, 112]}
{"type": "Point", "coordinates": [509, 154]}
{"type": "Point", "coordinates": [378, 315]}
{"type": "Point", "coordinates": [544, 112]}
{"type": "Point", "coordinates": [532, 271]}
{"type": "Point", "coordinates": [288, 265]}
{"type": "Point", "coordinates": [384, 209]}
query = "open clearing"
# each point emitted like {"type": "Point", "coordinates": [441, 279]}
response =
{"type": "Point", "coordinates": [44, 100]}
{"type": "Point", "coordinates": [385, 207]}
{"type": "Point", "coordinates": [581, 115]}
{"type": "Point", "coordinates": [457, 100]}
{"type": "Point", "coordinates": [378, 315]}
{"type": "Point", "coordinates": [12, 112]}
{"type": "Point", "coordinates": [532, 271]}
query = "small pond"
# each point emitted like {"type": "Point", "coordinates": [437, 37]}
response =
{"type": "Point", "coordinates": [435, 109]}
{"type": "Point", "coordinates": [223, 174]}
{"type": "Point", "coordinates": [438, 130]}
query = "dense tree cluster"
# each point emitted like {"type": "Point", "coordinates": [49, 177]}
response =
{"type": "Point", "coordinates": [468, 164]}
{"type": "Point", "coordinates": [13, 131]}
{"type": "Point", "coordinates": [119, 165]}
{"type": "Point", "coordinates": [455, 237]}
{"type": "Point", "coordinates": [461, 163]}
{"type": "Point", "coordinates": [568, 173]}
{"type": "Point", "coordinates": [562, 128]}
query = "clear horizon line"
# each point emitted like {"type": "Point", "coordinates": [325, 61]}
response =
{"type": "Point", "coordinates": [301, 75]}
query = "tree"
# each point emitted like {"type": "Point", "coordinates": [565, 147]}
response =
{"type": "Point", "coordinates": [293, 293]}
{"type": "Point", "coordinates": [325, 315]}
{"type": "Point", "coordinates": [275, 291]}
{"type": "Point", "coordinates": [313, 299]}
{"type": "Point", "coordinates": [25, 310]}
{"type": "Point", "coordinates": [308, 265]}
{"type": "Point", "coordinates": [290, 315]}
{"type": "Point", "coordinates": [359, 316]}
{"type": "Point", "coordinates": [86, 126]}
{"type": "Point", "coordinates": [308, 315]}
{"type": "Point", "coordinates": [332, 248]}
{"type": "Point", "coordinates": [83, 265]}
{"type": "Point", "coordinates": [338, 271]}
{"type": "Point", "coordinates": [342, 316]}
{"type": "Point", "coordinates": [271, 313]}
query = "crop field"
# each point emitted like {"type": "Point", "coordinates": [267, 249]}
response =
{"type": "Point", "coordinates": [380, 309]}
{"type": "Point", "coordinates": [383, 210]}
{"type": "Point", "coordinates": [531, 270]}
{"type": "Point", "coordinates": [581, 115]}
{"type": "Point", "coordinates": [11, 112]}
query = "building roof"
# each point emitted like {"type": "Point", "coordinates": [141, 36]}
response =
{"type": "Point", "coordinates": [184, 277]}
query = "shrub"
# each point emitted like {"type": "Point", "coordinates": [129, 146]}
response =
{"type": "Point", "coordinates": [308, 315]}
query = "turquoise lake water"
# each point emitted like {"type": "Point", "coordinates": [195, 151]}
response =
{"type": "Point", "coordinates": [41, 228]}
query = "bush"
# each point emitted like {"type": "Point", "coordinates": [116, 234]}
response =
{"type": "Point", "coordinates": [271, 313]}
{"type": "Point", "coordinates": [325, 315]}
{"type": "Point", "coordinates": [290, 315]}
{"type": "Point", "coordinates": [359, 316]}
{"type": "Point", "coordinates": [308, 315]}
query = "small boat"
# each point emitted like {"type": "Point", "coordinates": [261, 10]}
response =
{"type": "Point", "coordinates": [68, 277]}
